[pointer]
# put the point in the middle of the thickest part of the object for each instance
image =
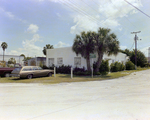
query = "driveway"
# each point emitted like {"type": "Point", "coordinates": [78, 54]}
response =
{"type": "Point", "coordinates": [126, 98]}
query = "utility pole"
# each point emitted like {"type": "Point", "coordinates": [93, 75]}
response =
{"type": "Point", "coordinates": [135, 38]}
{"type": "Point", "coordinates": [149, 55]}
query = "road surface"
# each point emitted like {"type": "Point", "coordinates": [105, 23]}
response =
{"type": "Point", "coordinates": [125, 98]}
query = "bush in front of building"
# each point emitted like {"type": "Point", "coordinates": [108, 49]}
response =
{"type": "Point", "coordinates": [117, 66]}
{"type": "Point", "coordinates": [104, 67]}
{"type": "Point", "coordinates": [45, 67]}
{"type": "Point", "coordinates": [65, 69]}
{"type": "Point", "coordinates": [130, 65]}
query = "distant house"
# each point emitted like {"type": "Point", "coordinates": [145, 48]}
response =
{"type": "Point", "coordinates": [65, 56]}
{"type": "Point", "coordinates": [19, 59]}
{"type": "Point", "coordinates": [148, 59]}
{"type": "Point", "coordinates": [37, 61]}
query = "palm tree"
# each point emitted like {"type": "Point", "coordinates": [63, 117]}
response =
{"type": "Point", "coordinates": [48, 46]}
{"type": "Point", "coordinates": [84, 45]}
{"type": "Point", "coordinates": [4, 46]}
{"type": "Point", "coordinates": [106, 42]}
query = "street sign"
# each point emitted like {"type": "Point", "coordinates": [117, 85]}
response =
{"type": "Point", "coordinates": [92, 55]}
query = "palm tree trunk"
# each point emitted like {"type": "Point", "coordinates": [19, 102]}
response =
{"type": "Point", "coordinates": [3, 55]}
{"type": "Point", "coordinates": [88, 63]}
{"type": "Point", "coordinates": [99, 61]}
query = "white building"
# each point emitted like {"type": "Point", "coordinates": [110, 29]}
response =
{"type": "Point", "coordinates": [65, 56]}
{"type": "Point", "coordinates": [19, 59]}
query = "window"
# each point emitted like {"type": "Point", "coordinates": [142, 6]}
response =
{"type": "Point", "coordinates": [40, 68]}
{"type": "Point", "coordinates": [27, 69]}
{"type": "Point", "coordinates": [35, 68]}
{"type": "Point", "coordinates": [50, 61]}
{"type": "Point", "coordinates": [59, 61]}
{"type": "Point", "coordinates": [77, 61]}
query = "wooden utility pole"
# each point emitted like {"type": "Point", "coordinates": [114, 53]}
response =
{"type": "Point", "coordinates": [135, 38]}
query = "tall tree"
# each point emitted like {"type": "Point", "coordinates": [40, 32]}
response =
{"type": "Point", "coordinates": [106, 42]}
{"type": "Point", "coordinates": [23, 55]}
{"type": "Point", "coordinates": [4, 46]}
{"type": "Point", "coordinates": [84, 45]}
{"type": "Point", "coordinates": [126, 51]}
{"type": "Point", "coordinates": [12, 61]}
{"type": "Point", "coordinates": [48, 46]}
{"type": "Point", "coordinates": [141, 58]}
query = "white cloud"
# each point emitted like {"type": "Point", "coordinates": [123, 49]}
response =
{"type": "Point", "coordinates": [83, 23]}
{"type": "Point", "coordinates": [104, 13]}
{"type": "Point", "coordinates": [11, 15]}
{"type": "Point", "coordinates": [117, 8]}
{"type": "Point", "coordinates": [123, 47]}
{"type": "Point", "coordinates": [89, 15]}
{"type": "Point", "coordinates": [29, 47]}
{"type": "Point", "coordinates": [58, 14]}
{"type": "Point", "coordinates": [7, 14]}
{"type": "Point", "coordinates": [61, 44]}
{"type": "Point", "coordinates": [145, 51]}
{"type": "Point", "coordinates": [32, 28]}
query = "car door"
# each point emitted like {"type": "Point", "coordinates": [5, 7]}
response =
{"type": "Point", "coordinates": [36, 71]}
{"type": "Point", "coordinates": [42, 72]}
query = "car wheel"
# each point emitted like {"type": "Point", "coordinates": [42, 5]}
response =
{"type": "Point", "coordinates": [7, 75]}
{"type": "Point", "coordinates": [29, 76]}
{"type": "Point", "coordinates": [49, 74]}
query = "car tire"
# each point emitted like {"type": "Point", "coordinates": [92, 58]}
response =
{"type": "Point", "coordinates": [49, 74]}
{"type": "Point", "coordinates": [7, 75]}
{"type": "Point", "coordinates": [29, 76]}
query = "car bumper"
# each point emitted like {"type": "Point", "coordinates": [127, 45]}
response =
{"type": "Point", "coordinates": [14, 75]}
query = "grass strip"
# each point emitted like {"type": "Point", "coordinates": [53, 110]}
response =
{"type": "Point", "coordinates": [63, 78]}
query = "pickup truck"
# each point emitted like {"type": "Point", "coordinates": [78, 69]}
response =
{"type": "Point", "coordinates": [5, 72]}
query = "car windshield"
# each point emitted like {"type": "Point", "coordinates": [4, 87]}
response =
{"type": "Point", "coordinates": [17, 69]}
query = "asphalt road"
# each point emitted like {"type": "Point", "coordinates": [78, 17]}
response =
{"type": "Point", "coordinates": [126, 98]}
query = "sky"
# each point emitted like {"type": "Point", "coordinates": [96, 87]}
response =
{"type": "Point", "coordinates": [28, 25]}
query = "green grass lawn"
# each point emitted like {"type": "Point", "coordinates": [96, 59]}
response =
{"type": "Point", "coordinates": [61, 78]}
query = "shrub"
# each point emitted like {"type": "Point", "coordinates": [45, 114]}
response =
{"type": "Point", "coordinates": [76, 69]}
{"type": "Point", "coordinates": [130, 65]}
{"type": "Point", "coordinates": [41, 64]}
{"type": "Point", "coordinates": [45, 67]}
{"type": "Point", "coordinates": [63, 69]}
{"type": "Point", "coordinates": [104, 67]}
{"type": "Point", "coordinates": [117, 66]}
{"type": "Point", "coordinates": [85, 73]}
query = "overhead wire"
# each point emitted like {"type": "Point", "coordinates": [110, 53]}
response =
{"type": "Point", "coordinates": [131, 46]}
{"type": "Point", "coordinates": [79, 10]}
{"type": "Point", "coordinates": [74, 6]}
{"type": "Point", "coordinates": [137, 8]}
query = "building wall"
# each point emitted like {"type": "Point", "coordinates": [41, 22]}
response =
{"type": "Point", "coordinates": [66, 56]}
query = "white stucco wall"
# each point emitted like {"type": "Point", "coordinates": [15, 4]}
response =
{"type": "Point", "coordinates": [68, 55]}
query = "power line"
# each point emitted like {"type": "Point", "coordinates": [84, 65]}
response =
{"type": "Point", "coordinates": [137, 8]}
{"type": "Point", "coordinates": [131, 46]}
{"type": "Point", "coordinates": [81, 9]}
{"type": "Point", "coordinates": [78, 10]}
{"type": "Point", "coordinates": [125, 17]}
